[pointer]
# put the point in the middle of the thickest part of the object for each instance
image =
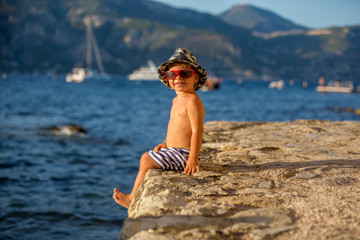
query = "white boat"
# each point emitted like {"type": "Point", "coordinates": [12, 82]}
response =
{"type": "Point", "coordinates": [145, 73]}
{"type": "Point", "coordinates": [277, 84]}
{"type": "Point", "coordinates": [337, 86]}
{"type": "Point", "coordinates": [78, 74]}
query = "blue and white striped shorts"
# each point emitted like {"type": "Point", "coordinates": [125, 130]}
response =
{"type": "Point", "coordinates": [171, 158]}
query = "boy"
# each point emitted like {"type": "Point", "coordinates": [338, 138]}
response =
{"type": "Point", "coordinates": [181, 149]}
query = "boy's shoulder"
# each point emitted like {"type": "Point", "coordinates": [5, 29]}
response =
{"type": "Point", "coordinates": [190, 98]}
{"type": "Point", "coordinates": [194, 101]}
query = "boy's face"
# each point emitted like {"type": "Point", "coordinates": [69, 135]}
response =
{"type": "Point", "coordinates": [183, 84]}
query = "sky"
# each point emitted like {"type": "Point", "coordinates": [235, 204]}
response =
{"type": "Point", "coordinates": [309, 13]}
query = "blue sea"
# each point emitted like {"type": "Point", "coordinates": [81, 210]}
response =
{"type": "Point", "coordinates": [60, 187]}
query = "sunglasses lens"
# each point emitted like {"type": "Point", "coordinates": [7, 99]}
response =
{"type": "Point", "coordinates": [170, 75]}
{"type": "Point", "coordinates": [185, 73]}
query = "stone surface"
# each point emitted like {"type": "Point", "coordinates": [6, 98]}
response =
{"type": "Point", "coordinates": [278, 180]}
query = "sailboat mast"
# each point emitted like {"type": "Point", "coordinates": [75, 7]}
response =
{"type": "Point", "coordinates": [91, 43]}
{"type": "Point", "coordinates": [88, 43]}
{"type": "Point", "coordinates": [97, 52]}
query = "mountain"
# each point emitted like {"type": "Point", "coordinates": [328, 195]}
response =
{"type": "Point", "coordinates": [49, 36]}
{"type": "Point", "coordinates": [257, 19]}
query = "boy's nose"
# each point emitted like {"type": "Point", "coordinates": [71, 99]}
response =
{"type": "Point", "coordinates": [177, 76]}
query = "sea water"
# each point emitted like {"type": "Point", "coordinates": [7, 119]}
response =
{"type": "Point", "coordinates": [60, 186]}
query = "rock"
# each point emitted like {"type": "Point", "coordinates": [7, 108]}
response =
{"type": "Point", "coordinates": [270, 233]}
{"type": "Point", "coordinates": [266, 185]}
{"type": "Point", "coordinates": [67, 130]}
{"type": "Point", "coordinates": [305, 175]}
{"type": "Point", "coordinates": [278, 180]}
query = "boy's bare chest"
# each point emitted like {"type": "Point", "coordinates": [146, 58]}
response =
{"type": "Point", "coordinates": [178, 112]}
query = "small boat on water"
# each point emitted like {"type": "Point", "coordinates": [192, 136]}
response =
{"type": "Point", "coordinates": [212, 83]}
{"type": "Point", "coordinates": [337, 86]}
{"type": "Point", "coordinates": [277, 84]}
{"type": "Point", "coordinates": [145, 73]}
{"type": "Point", "coordinates": [79, 74]}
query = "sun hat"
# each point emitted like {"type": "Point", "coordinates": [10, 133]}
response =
{"type": "Point", "coordinates": [183, 55]}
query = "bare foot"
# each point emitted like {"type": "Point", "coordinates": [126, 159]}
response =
{"type": "Point", "coordinates": [121, 198]}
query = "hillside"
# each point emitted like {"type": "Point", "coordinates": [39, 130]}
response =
{"type": "Point", "coordinates": [257, 19]}
{"type": "Point", "coordinates": [49, 36]}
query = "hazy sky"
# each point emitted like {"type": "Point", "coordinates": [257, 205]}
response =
{"type": "Point", "coordinates": [309, 13]}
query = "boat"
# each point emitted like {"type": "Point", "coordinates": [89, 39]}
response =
{"type": "Point", "coordinates": [145, 73]}
{"type": "Point", "coordinates": [277, 84]}
{"type": "Point", "coordinates": [79, 74]}
{"type": "Point", "coordinates": [212, 83]}
{"type": "Point", "coordinates": [337, 86]}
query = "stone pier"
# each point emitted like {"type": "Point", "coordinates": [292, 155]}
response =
{"type": "Point", "coordinates": [274, 180]}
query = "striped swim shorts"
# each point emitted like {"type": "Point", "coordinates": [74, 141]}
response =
{"type": "Point", "coordinates": [171, 158]}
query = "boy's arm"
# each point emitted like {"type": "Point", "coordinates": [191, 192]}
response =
{"type": "Point", "coordinates": [196, 113]}
{"type": "Point", "coordinates": [158, 147]}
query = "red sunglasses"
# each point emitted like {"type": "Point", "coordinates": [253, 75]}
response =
{"type": "Point", "coordinates": [186, 73]}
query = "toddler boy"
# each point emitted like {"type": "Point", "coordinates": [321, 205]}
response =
{"type": "Point", "coordinates": [181, 149]}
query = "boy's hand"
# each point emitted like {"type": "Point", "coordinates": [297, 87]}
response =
{"type": "Point", "coordinates": [191, 167]}
{"type": "Point", "coordinates": [160, 146]}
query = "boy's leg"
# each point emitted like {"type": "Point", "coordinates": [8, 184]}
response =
{"type": "Point", "coordinates": [146, 163]}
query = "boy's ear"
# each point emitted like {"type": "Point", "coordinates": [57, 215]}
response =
{"type": "Point", "coordinates": [197, 77]}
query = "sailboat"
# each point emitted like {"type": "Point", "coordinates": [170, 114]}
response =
{"type": "Point", "coordinates": [78, 74]}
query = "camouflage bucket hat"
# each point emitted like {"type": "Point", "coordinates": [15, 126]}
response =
{"type": "Point", "coordinates": [184, 56]}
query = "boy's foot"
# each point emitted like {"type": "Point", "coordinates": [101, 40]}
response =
{"type": "Point", "coordinates": [121, 198]}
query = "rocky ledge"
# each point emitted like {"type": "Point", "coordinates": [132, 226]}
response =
{"type": "Point", "coordinates": [277, 180]}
